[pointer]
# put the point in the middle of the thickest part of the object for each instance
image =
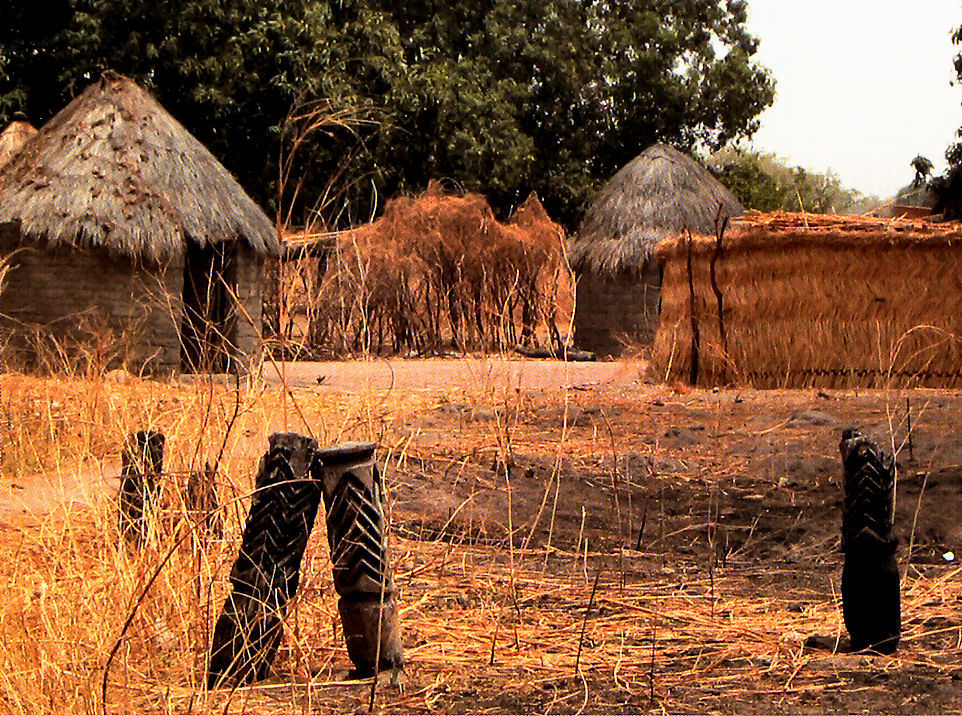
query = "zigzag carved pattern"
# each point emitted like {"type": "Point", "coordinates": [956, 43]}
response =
{"type": "Point", "coordinates": [354, 533]}
{"type": "Point", "coordinates": [869, 490]}
{"type": "Point", "coordinates": [279, 524]}
{"type": "Point", "coordinates": [267, 571]}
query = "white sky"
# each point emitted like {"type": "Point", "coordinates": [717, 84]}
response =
{"type": "Point", "coordinates": [862, 86]}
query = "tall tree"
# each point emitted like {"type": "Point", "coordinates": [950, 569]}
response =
{"type": "Point", "coordinates": [556, 95]}
{"type": "Point", "coordinates": [503, 97]}
{"type": "Point", "coordinates": [947, 188]}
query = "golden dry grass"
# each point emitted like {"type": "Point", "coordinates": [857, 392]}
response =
{"type": "Point", "coordinates": [486, 628]}
{"type": "Point", "coordinates": [72, 587]}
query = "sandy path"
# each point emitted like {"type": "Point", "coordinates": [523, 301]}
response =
{"type": "Point", "coordinates": [36, 495]}
{"type": "Point", "coordinates": [445, 374]}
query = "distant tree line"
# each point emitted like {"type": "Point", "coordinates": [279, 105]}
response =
{"type": "Point", "coordinates": [500, 97]}
{"type": "Point", "coordinates": [767, 182]}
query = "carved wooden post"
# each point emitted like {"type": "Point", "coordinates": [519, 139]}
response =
{"type": "Point", "coordinates": [870, 577]}
{"type": "Point", "coordinates": [143, 461]}
{"type": "Point", "coordinates": [356, 532]}
{"type": "Point", "coordinates": [201, 501]}
{"type": "Point", "coordinates": [266, 573]}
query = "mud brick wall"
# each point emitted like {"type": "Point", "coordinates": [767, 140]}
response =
{"type": "Point", "coordinates": [250, 292]}
{"type": "Point", "coordinates": [614, 311]}
{"type": "Point", "coordinates": [75, 296]}
{"type": "Point", "coordinates": [71, 295]}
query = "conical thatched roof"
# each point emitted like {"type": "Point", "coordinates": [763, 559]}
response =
{"type": "Point", "coordinates": [114, 169]}
{"type": "Point", "coordinates": [657, 195]}
{"type": "Point", "coordinates": [13, 138]}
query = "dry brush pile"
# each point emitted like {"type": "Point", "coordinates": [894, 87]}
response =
{"type": "Point", "coordinates": [433, 271]}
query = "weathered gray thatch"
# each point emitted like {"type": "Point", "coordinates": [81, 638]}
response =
{"type": "Point", "coordinates": [114, 169]}
{"type": "Point", "coordinates": [13, 138]}
{"type": "Point", "coordinates": [659, 194]}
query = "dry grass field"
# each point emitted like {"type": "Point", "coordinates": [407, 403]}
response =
{"type": "Point", "coordinates": [572, 544]}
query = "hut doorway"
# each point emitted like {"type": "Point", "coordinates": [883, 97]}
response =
{"type": "Point", "coordinates": [207, 329]}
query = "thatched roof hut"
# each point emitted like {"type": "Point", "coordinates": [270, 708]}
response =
{"type": "Point", "coordinates": [814, 300]}
{"type": "Point", "coordinates": [114, 169]}
{"type": "Point", "coordinates": [14, 137]}
{"type": "Point", "coordinates": [114, 202]}
{"type": "Point", "coordinates": [659, 194]}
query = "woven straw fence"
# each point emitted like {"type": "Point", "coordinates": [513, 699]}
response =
{"type": "Point", "coordinates": [806, 303]}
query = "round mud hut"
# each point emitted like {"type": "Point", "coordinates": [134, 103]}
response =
{"type": "Point", "coordinates": [14, 137]}
{"type": "Point", "coordinates": [129, 243]}
{"type": "Point", "coordinates": [659, 194]}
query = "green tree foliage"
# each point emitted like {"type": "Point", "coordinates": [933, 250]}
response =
{"type": "Point", "coordinates": [947, 189]}
{"type": "Point", "coordinates": [923, 169]}
{"type": "Point", "coordinates": [915, 193]}
{"type": "Point", "coordinates": [501, 97]}
{"type": "Point", "coordinates": [229, 70]}
{"type": "Point", "coordinates": [767, 183]}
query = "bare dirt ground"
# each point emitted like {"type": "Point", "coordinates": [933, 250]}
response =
{"type": "Point", "coordinates": [708, 521]}
{"type": "Point", "coordinates": [40, 493]}
{"type": "Point", "coordinates": [720, 496]}
{"type": "Point", "coordinates": [440, 374]}
{"type": "Point", "coordinates": [733, 495]}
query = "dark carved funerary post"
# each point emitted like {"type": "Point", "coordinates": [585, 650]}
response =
{"type": "Point", "coordinates": [870, 577]}
{"type": "Point", "coordinates": [143, 461]}
{"type": "Point", "coordinates": [357, 532]}
{"type": "Point", "coordinates": [266, 573]}
{"type": "Point", "coordinates": [202, 503]}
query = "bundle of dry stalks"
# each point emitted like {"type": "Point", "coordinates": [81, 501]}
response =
{"type": "Point", "coordinates": [4, 268]}
{"type": "Point", "coordinates": [434, 270]}
{"type": "Point", "coordinates": [810, 300]}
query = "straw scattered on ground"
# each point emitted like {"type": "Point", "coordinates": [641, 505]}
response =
{"type": "Point", "coordinates": [512, 598]}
